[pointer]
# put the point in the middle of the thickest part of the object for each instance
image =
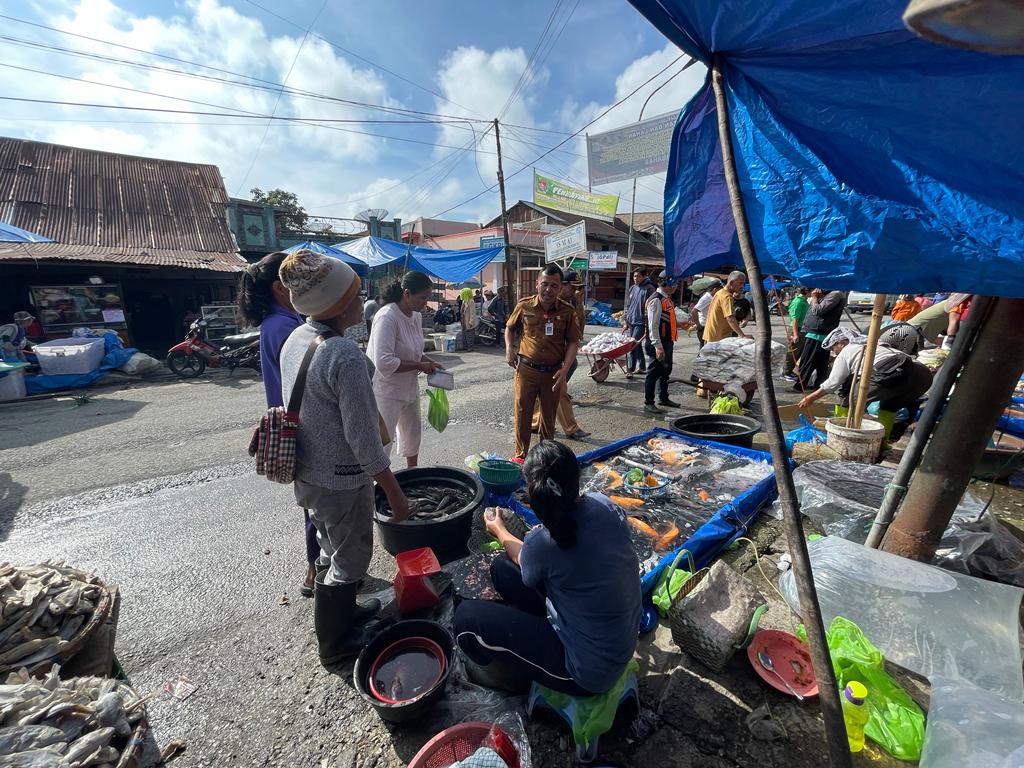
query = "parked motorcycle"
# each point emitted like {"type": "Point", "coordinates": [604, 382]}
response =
{"type": "Point", "coordinates": [488, 333]}
{"type": "Point", "coordinates": [190, 357]}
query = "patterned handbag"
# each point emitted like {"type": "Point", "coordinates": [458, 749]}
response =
{"type": "Point", "coordinates": [273, 442]}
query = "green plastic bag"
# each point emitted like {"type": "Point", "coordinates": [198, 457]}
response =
{"type": "Point", "coordinates": [437, 411]}
{"type": "Point", "coordinates": [670, 582]}
{"type": "Point", "coordinates": [895, 722]}
{"type": "Point", "coordinates": [726, 404]}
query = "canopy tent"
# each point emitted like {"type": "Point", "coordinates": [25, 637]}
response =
{"type": "Point", "coordinates": [868, 158]}
{"type": "Point", "coordinates": [12, 234]}
{"type": "Point", "coordinates": [450, 266]}
{"type": "Point", "coordinates": [329, 250]}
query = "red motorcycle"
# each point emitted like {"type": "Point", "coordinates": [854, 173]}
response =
{"type": "Point", "coordinates": [190, 357]}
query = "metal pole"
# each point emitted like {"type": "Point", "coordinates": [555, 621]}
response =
{"type": "Point", "coordinates": [937, 394]}
{"type": "Point", "coordinates": [949, 459]}
{"type": "Point", "coordinates": [512, 289]}
{"type": "Point", "coordinates": [629, 243]}
{"type": "Point", "coordinates": [858, 404]}
{"type": "Point", "coordinates": [835, 727]}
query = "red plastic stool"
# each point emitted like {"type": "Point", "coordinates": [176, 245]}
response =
{"type": "Point", "coordinates": [413, 587]}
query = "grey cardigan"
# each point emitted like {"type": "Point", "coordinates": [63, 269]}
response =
{"type": "Point", "coordinates": [339, 443]}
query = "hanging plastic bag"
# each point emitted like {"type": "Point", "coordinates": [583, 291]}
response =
{"type": "Point", "coordinates": [895, 722]}
{"type": "Point", "coordinates": [437, 411]}
{"type": "Point", "coordinates": [670, 582]}
{"type": "Point", "coordinates": [807, 433]}
{"type": "Point", "coordinates": [726, 404]}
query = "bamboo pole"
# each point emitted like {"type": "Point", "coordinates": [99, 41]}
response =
{"type": "Point", "coordinates": [868, 362]}
{"type": "Point", "coordinates": [835, 727]}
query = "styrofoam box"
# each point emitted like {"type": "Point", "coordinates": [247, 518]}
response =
{"type": "Point", "coordinates": [63, 356]}
{"type": "Point", "coordinates": [12, 385]}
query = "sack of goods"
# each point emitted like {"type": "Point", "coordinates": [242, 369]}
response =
{"type": "Point", "coordinates": [732, 362]}
{"type": "Point", "coordinates": [605, 342]}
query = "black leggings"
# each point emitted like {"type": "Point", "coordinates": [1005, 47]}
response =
{"type": "Point", "coordinates": [516, 636]}
{"type": "Point", "coordinates": [813, 365]}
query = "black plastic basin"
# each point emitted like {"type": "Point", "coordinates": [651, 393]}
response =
{"type": "Point", "coordinates": [447, 536]}
{"type": "Point", "coordinates": [403, 711]}
{"type": "Point", "coordinates": [719, 427]}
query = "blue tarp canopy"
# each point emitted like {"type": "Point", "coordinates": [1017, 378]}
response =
{"type": "Point", "coordinates": [868, 158]}
{"type": "Point", "coordinates": [450, 266]}
{"type": "Point", "coordinates": [12, 234]}
{"type": "Point", "coordinates": [329, 250]}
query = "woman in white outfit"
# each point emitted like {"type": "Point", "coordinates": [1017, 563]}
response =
{"type": "Point", "coordinates": [396, 349]}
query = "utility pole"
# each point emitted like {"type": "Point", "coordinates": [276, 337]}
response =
{"type": "Point", "coordinates": [510, 278]}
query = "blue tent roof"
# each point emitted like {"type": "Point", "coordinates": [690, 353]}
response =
{"type": "Point", "coordinates": [12, 234]}
{"type": "Point", "coordinates": [329, 250]}
{"type": "Point", "coordinates": [451, 266]}
{"type": "Point", "coordinates": [868, 158]}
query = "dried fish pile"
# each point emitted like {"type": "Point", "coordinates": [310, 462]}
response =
{"type": "Point", "coordinates": [701, 480]}
{"type": "Point", "coordinates": [431, 502]}
{"type": "Point", "coordinates": [42, 608]}
{"type": "Point", "coordinates": [85, 722]}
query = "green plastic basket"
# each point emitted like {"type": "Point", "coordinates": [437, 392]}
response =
{"type": "Point", "coordinates": [499, 472]}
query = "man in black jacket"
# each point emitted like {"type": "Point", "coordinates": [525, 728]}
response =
{"type": "Point", "coordinates": [822, 318]}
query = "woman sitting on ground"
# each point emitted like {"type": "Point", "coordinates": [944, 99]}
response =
{"type": "Point", "coordinates": [572, 592]}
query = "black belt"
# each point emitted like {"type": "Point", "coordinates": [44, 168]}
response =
{"type": "Point", "coordinates": [537, 366]}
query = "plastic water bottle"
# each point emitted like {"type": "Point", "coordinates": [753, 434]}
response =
{"type": "Point", "coordinates": [855, 714]}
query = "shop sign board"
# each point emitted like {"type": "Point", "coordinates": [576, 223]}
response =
{"type": "Point", "coordinates": [604, 259]}
{"type": "Point", "coordinates": [494, 241]}
{"type": "Point", "coordinates": [566, 243]}
{"type": "Point", "coordinates": [635, 150]}
{"type": "Point", "coordinates": [554, 194]}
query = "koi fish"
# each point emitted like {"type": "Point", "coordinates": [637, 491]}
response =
{"type": "Point", "coordinates": [666, 539]}
{"type": "Point", "coordinates": [643, 527]}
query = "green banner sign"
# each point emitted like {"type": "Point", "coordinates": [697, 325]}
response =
{"type": "Point", "coordinates": [580, 264]}
{"type": "Point", "coordinates": [562, 197]}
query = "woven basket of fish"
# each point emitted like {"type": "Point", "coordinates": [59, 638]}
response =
{"type": "Point", "coordinates": [74, 723]}
{"type": "Point", "coordinates": [47, 614]}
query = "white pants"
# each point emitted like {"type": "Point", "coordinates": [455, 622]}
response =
{"type": "Point", "coordinates": [404, 424]}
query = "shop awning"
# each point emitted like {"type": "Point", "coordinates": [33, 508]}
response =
{"type": "Point", "coordinates": [868, 158]}
{"type": "Point", "coordinates": [450, 266]}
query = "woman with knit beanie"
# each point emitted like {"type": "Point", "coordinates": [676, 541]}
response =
{"type": "Point", "coordinates": [339, 450]}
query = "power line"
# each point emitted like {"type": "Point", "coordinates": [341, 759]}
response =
{"type": "Point", "coordinates": [361, 58]}
{"type": "Point", "coordinates": [533, 55]}
{"type": "Point", "coordinates": [277, 101]}
{"type": "Point", "coordinates": [574, 135]}
{"type": "Point", "coordinates": [259, 84]}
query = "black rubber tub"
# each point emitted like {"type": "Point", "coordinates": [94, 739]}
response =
{"type": "Point", "coordinates": [404, 711]}
{"type": "Point", "coordinates": [447, 536]}
{"type": "Point", "coordinates": [719, 427]}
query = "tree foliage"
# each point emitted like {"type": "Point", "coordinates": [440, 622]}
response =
{"type": "Point", "coordinates": [293, 216]}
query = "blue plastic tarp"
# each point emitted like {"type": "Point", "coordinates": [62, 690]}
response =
{"type": "Point", "coordinates": [329, 250]}
{"type": "Point", "coordinates": [450, 266]}
{"type": "Point", "coordinates": [12, 234]}
{"type": "Point", "coordinates": [868, 158]}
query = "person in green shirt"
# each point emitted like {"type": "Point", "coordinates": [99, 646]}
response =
{"type": "Point", "coordinates": [797, 311]}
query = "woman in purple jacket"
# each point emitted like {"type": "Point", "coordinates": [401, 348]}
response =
{"type": "Point", "coordinates": [264, 303]}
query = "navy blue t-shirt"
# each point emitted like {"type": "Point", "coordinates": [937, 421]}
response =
{"type": "Point", "coordinates": [593, 591]}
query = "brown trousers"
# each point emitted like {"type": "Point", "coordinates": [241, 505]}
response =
{"type": "Point", "coordinates": [566, 416]}
{"type": "Point", "coordinates": [530, 386]}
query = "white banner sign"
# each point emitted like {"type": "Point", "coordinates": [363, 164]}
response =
{"type": "Point", "coordinates": [566, 243]}
{"type": "Point", "coordinates": [604, 259]}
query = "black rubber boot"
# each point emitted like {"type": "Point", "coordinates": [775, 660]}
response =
{"type": "Point", "coordinates": [338, 635]}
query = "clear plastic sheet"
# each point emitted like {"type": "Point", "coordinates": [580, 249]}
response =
{"type": "Point", "coordinates": [843, 498]}
{"type": "Point", "coordinates": [731, 362]}
{"type": "Point", "coordinates": [926, 619]}
{"type": "Point", "coordinates": [971, 728]}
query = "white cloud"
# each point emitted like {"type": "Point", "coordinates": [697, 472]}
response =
{"type": "Point", "coordinates": [320, 164]}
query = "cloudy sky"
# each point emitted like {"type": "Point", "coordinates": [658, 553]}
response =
{"type": "Point", "coordinates": [385, 104]}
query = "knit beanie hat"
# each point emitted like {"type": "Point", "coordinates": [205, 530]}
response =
{"type": "Point", "coordinates": [320, 286]}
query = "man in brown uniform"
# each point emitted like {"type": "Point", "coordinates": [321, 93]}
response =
{"type": "Point", "coordinates": [549, 335]}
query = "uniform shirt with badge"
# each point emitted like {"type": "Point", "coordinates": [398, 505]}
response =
{"type": "Point", "coordinates": [544, 334]}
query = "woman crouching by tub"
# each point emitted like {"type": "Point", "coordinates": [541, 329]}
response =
{"type": "Point", "coordinates": [572, 590]}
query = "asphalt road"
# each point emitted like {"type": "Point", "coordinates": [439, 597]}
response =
{"type": "Point", "coordinates": [149, 485]}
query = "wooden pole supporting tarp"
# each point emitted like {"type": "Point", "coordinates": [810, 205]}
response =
{"type": "Point", "coordinates": [835, 727]}
{"type": "Point", "coordinates": [858, 405]}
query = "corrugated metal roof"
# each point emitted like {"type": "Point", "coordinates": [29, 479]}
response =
{"type": "Point", "coordinates": [111, 202]}
{"type": "Point", "coordinates": [212, 261]}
